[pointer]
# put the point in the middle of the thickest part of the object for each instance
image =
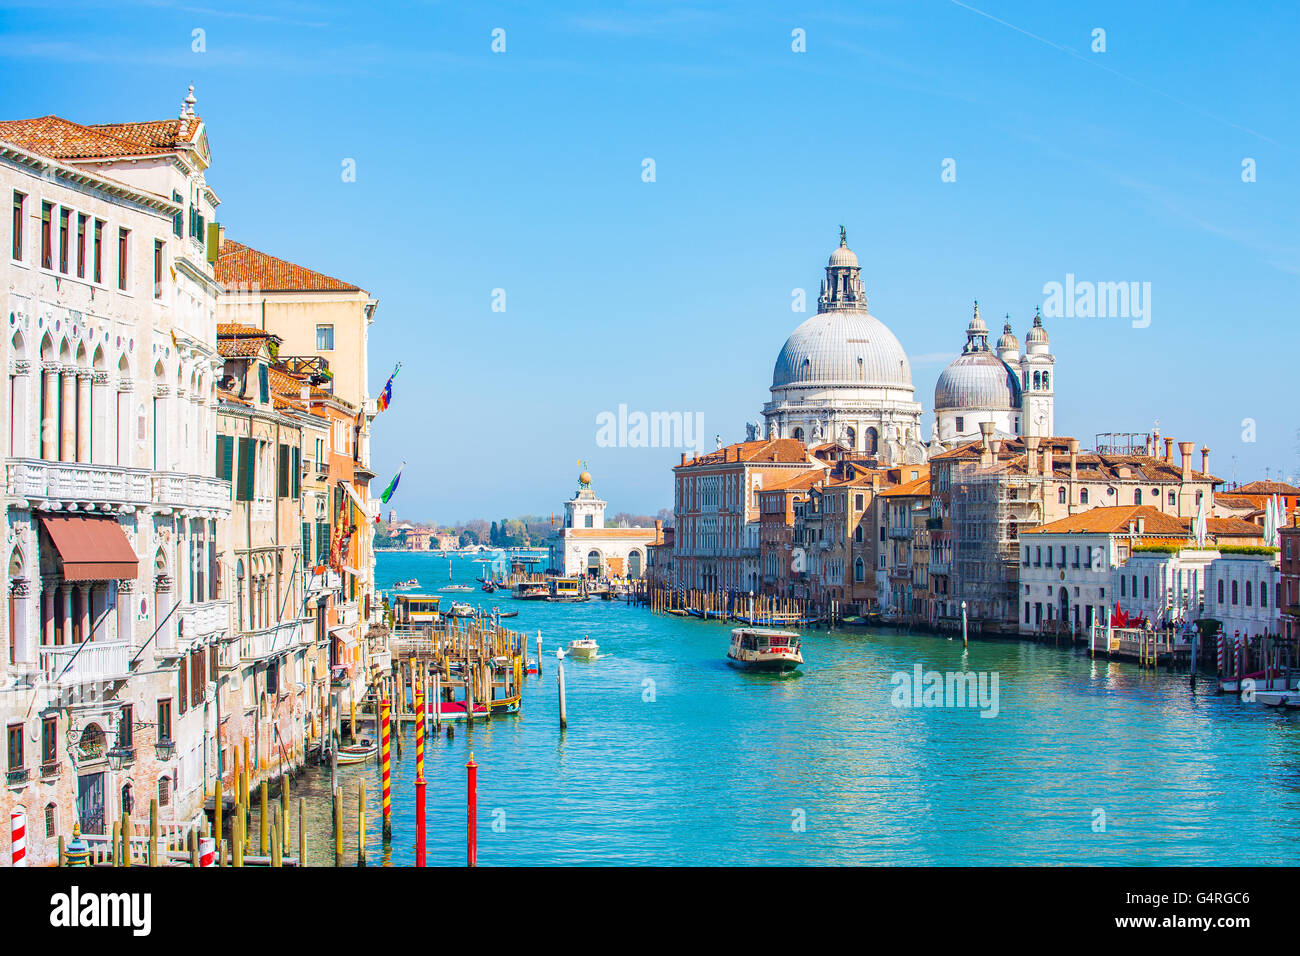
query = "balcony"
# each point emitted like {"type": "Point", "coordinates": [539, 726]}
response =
{"type": "Point", "coordinates": [203, 619]}
{"type": "Point", "coordinates": [177, 490]}
{"type": "Point", "coordinates": [45, 483]}
{"type": "Point", "coordinates": [319, 585]}
{"type": "Point", "coordinates": [88, 663]}
{"type": "Point", "coordinates": [259, 645]}
{"type": "Point", "coordinates": [900, 534]}
{"type": "Point", "coordinates": [938, 567]}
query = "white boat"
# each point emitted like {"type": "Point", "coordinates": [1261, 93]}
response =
{"type": "Point", "coordinates": [761, 649]}
{"type": "Point", "coordinates": [457, 587]}
{"type": "Point", "coordinates": [585, 649]}
{"type": "Point", "coordinates": [459, 609]}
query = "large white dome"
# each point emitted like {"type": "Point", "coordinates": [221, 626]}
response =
{"type": "Point", "coordinates": [842, 347]}
{"type": "Point", "coordinates": [977, 380]}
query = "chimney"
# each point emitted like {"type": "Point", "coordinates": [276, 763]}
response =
{"type": "Point", "coordinates": [1074, 459]}
{"type": "Point", "coordinates": [986, 439]}
{"type": "Point", "coordinates": [1185, 453]}
{"type": "Point", "coordinates": [221, 237]}
{"type": "Point", "coordinates": [1141, 525]}
{"type": "Point", "coordinates": [683, 458]}
{"type": "Point", "coordinates": [1031, 454]}
{"type": "Point", "coordinates": [1169, 450]}
{"type": "Point", "coordinates": [1205, 459]}
{"type": "Point", "coordinates": [1047, 461]}
{"type": "Point", "coordinates": [995, 447]}
{"type": "Point", "coordinates": [1149, 452]}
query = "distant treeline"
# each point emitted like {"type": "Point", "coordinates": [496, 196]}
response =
{"type": "Point", "coordinates": [525, 531]}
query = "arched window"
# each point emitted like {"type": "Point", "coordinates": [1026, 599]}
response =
{"type": "Point", "coordinates": [798, 434]}
{"type": "Point", "coordinates": [1263, 594]}
{"type": "Point", "coordinates": [852, 434]}
{"type": "Point", "coordinates": [1060, 496]}
{"type": "Point", "coordinates": [239, 592]}
{"type": "Point", "coordinates": [1038, 378]}
{"type": "Point", "coordinates": [1047, 381]}
{"type": "Point", "coordinates": [870, 441]}
{"type": "Point", "coordinates": [859, 570]}
{"type": "Point", "coordinates": [634, 564]}
{"type": "Point", "coordinates": [1234, 592]}
{"type": "Point", "coordinates": [857, 534]}
{"type": "Point", "coordinates": [1220, 592]}
{"type": "Point", "coordinates": [1249, 596]}
{"type": "Point", "coordinates": [1083, 496]}
{"type": "Point", "coordinates": [164, 791]}
{"type": "Point", "coordinates": [1137, 496]}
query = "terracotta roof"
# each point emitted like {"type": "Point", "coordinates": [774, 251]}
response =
{"type": "Point", "coordinates": [800, 482]}
{"type": "Point", "coordinates": [1267, 488]}
{"type": "Point", "coordinates": [1115, 519]}
{"type": "Point", "coordinates": [921, 486]}
{"type": "Point", "coordinates": [59, 138]}
{"type": "Point", "coordinates": [1233, 501]}
{"type": "Point", "coordinates": [1092, 466]}
{"type": "Point", "coordinates": [282, 383]}
{"type": "Point", "coordinates": [242, 266]}
{"type": "Point", "coordinates": [777, 450]}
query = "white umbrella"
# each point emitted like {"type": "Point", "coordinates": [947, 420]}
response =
{"type": "Point", "coordinates": [1270, 523]}
{"type": "Point", "coordinates": [1200, 524]}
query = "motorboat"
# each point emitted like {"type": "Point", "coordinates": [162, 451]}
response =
{"type": "Point", "coordinates": [585, 649]}
{"type": "Point", "coordinates": [761, 649]}
{"type": "Point", "coordinates": [457, 587]}
{"type": "Point", "coordinates": [406, 585]}
{"type": "Point", "coordinates": [460, 609]}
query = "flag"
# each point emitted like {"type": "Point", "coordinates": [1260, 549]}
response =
{"type": "Point", "coordinates": [386, 396]}
{"type": "Point", "coordinates": [176, 345]}
{"type": "Point", "coordinates": [392, 485]}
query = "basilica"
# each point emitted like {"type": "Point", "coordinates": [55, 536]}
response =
{"type": "Point", "coordinates": [842, 376]}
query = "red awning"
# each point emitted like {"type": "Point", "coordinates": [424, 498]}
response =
{"type": "Point", "coordinates": [92, 547]}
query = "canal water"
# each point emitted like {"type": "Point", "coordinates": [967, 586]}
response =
{"type": "Point", "coordinates": [673, 757]}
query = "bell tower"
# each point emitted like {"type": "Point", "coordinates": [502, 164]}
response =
{"type": "Point", "coordinates": [1038, 380]}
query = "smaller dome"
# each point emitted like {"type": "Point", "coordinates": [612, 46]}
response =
{"type": "Point", "coordinates": [1037, 334]}
{"type": "Point", "coordinates": [977, 326]}
{"type": "Point", "coordinates": [977, 380]}
{"type": "Point", "coordinates": [1008, 342]}
{"type": "Point", "coordinates": [843, 256]}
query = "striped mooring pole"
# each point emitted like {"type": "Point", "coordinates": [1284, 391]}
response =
{"type": "Point", "coordinates": [18, 833]}
{"type": "Point", "coordinates": [386, 792]}
{"type": "Point", "coordinates": [419, 775]}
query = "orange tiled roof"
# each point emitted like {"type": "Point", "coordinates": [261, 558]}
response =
{"type": "Point", "coordinates": [283, 383]}
{"type": "Point", "coordinates": [59, 138]}
{"type": "Point", "coordinates": [242, 266]}
{"type": "Point", "coordinates": [1091, 465]}
{"type": "Point", "coordinates": [1115, 519]}
{"type": "Point", "coordinates": [778, 450]}
{"type": "Point", "coordinates": [1233, 501]}
{"type": "Point", "coordinates": [921, 486]}
{"type": "Point", "coordinates": [1267, 488]}
{"type": "Point", "coordinates": [800, 482]}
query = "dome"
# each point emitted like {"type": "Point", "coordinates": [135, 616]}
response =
{"type": "Point", "coordinates": [976, 326]}
{"type": "Point", "coordinates": [843, 347]}
{"type": "Point", "coordinates": [843, 256]}
{"type": "Point", "coordinates": [977, 380]}
{"type": "Point", "coordinates": [1038, 334]}
{"type": "Point", "coordinates": [1008, 342]}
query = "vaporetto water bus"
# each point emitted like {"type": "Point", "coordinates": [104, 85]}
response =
{"type": "Point", "coordinates": [761, 649]}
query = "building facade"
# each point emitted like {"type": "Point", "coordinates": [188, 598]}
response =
{"type": "Point", "coordinates": [116, 606]}
{"type": "Point", "coordinates": [584, 546]}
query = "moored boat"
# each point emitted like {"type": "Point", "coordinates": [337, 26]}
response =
{"type": "Point", "coordinates": [357, 753]}
{"type": "Point", "coordinates": [459, 609]}
{"type": "Point", "coordinates": [762, 649]}
{"type": "Point", "coordinates": [457, 587]}
{"type": "Point", "coordinates": [405, 585]}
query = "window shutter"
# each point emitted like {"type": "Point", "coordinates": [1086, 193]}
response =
{"type": "Point", "coordinates": [263, 381]}
{"type": "Point", "coordinates": [244, 484]}
{"type": "Point", "coordinates": [176, 219]}
{"type": "Point", "coordinates": [297, 473]}
{"type": "Point", "coordinates": [306, 544]}
{"type": "Point", "coordinates": [322, 542]}
{"type": "Point", "coordinates": [282, 466]}
{"type": "Point", "coordinates": [225, 456]}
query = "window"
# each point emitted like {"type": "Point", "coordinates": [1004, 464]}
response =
{"type": "Point", "coordinates": [1249, 601]}
{"type": "Point", "coordinates": [125, 733]}
{"type": "Point", "coordinates": [198, 684]}
{"type": "Point", "coordinates": [1173, 499]}
{"type": "Point", "coordinates": [1220, 592]}
{"type": "Point", "coordinates": [49, 740]}
{"type": "Point", "coordinates": [123, 244]}
{"type": "Point", "coordinates": [157, 268]}
{"type": "Point", "coordinates": [961, 424]}
{"type": "Point", "coordinates": [1263, 594]}
{"type": "Point", "coordinates": [165, 719]}
{"type": "Point", "coordinates": [65, 218]}
{"type": "Point", "coordinates": [1234, 592]}
{"type": "Point", "coordinates": [857, 534]}
{"type": "Point", "coordinates": [1038, 557]}
{"type": "Point", "coordinates": [1123, 587]}
{"type": "Point", "coordinates": [1060, 496]}
{"type": "Point", "coordinates": [587, 521]}
{"type": "Point", "coordinates": [19, 201]}
{"type": "Point", "coordinates": [51, 821]}
{"type": "Point", "coordinates": [264, 384]}
{"type": "Point", "coordinates": [82, 219]}
{"type": "Point", "coordinates": [1146, 587]}
{"type": "Point", "coordinates": [176, 219]}
{"type": "Point", "coordinates": [47, 247]}
{"type": "Point", "coordinates": [15, 747]}
{"type": "Point", "coordinates": [164, 791]}
{"type": "Point", "coordinates": [183, 696]}
{"type": "Point", "coordinates": [272, 678]}
{"type": "Point", "coordinates": [1026, 561]}
{"type": "Point", "coordinates": [1137, 496]}
{"type": "Point", "coordinates": [97, 246]}
{"type": "Point", "coordinates": [1083, 496]}
{"type": "Point", "coordinates": [324, 337]}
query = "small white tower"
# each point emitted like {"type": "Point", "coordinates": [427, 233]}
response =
{"type": "Point", "coordinates": [1037, 375]}
{"type": "Point", "coordinates": [584, 509]}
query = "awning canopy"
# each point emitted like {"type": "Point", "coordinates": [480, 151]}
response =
{"type": "Point", "coordinates": [356, 499]}
{"type": "Point", "coordinates": [91, 547]}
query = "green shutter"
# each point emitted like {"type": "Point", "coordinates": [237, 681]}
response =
{"type": "Point", "coordinates": [297, 472]}
{"type": "Point", "coordinates": [306, 544]}
{"type": "Point", "coordinates": [282, 467]}
{"type": "Point", "coordinates": [245, 471]}
{"type": "Point", "coordinates": [225, 456]}
{"type": "Point", "coordinates": [213, 242]}
{"type": "Point", "coordinates": [322, 542]}
{"type": "Point", "coordinates": [176, 219]}
{"type": "Point", "coordinates": [264, 383]}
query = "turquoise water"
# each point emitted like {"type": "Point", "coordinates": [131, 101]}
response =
{"type": "Point", "coordinates": [672, 757]}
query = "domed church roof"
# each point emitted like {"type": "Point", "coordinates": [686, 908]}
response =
{"type": "Point", "coordinates": [978, 378]}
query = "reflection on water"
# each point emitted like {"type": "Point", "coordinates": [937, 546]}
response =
{"type": "Point", "coordinates": [673, 757]}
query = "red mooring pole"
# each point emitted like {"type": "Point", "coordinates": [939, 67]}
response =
{"type": "Point", "coordinates": [386, 742]}
{"type": "Point", "coordinates": [419, 775]}
{"type": "Point", "coordinates": [471, 813]}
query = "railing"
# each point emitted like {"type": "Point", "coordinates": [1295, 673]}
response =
{"type": "Point", "coordinates": [204, 618]}
{"type": "Point", "coordinates": [320, 583]}
{"type": "Point", "coordinates": [38, 480]}
{"type": "Point", "coordinates": [94, 661]}
{"type": "Point", "coordinates": [900, 534]}
{"type": "Point", "coordinates": [259, 645]}
{"type": "Point", "coordinates": [191, 491]}
{"type": "Point", "coordinates": [938, 567]}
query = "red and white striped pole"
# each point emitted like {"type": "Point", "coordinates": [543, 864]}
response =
{"type": "Point", "coordinates": [207, 851]}
{"type": "Point", "coordinates": [18, 832]}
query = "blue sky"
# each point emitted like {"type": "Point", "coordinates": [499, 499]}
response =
{"type": "Point", "coordinates": [522, 171]}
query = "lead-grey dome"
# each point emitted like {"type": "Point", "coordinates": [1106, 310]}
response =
{"type": "Point", "coordinates": [842, 347]}
{"type": "Point", "coordinates": [977, 379]}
